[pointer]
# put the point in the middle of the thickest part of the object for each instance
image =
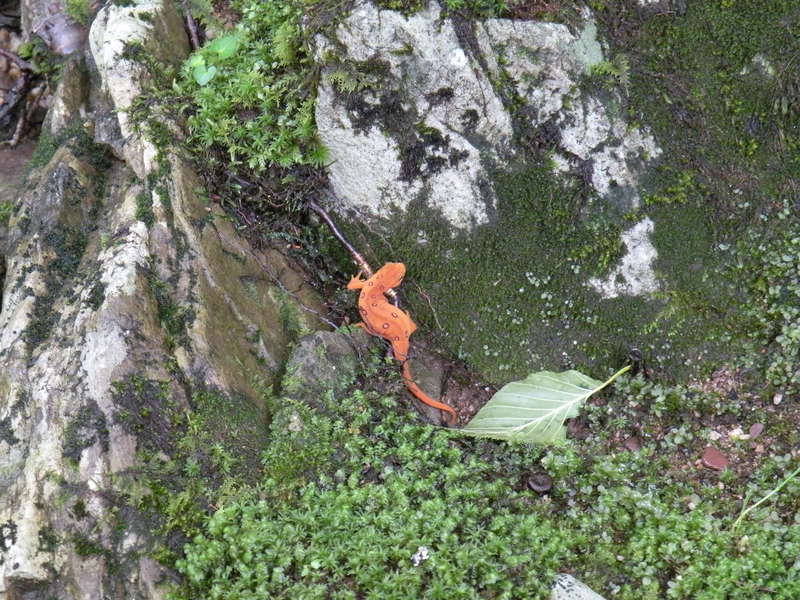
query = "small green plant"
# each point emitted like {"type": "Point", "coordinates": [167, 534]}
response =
{"type": "Point", "coordinates": [6, 208]}
{"type": "Point", "coordinates": [79, 10]}
{"type": "Point", "coordinates": [771, 493]}
{"type": "Point", "coordinates": [203, 63]}
{"type": "Point", "coordinates": [478, 8]}
{"type": "Point", "coordinates": [612, 73]}
{"type": "Point", "coordinates": [253, 92]}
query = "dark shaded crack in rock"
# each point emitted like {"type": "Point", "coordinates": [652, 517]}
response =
{"type": "Point", "coordinates": [7, 432]}
{"type": "Point", "coordinates": [3, 271]}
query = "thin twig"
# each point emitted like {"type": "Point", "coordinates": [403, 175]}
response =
{"type": "Point", "coordinates": [277, 281]}
{"type": "Point", "coordinates": [191, 25]}
{"type": "Point", "coordinates": [20, 62]}
{"type": "Point", "coordinates": [430, 304]}
{"type": "Point", "coordinates": [360, 261]}
{"type": "Point", "coordinates": [16, 94]}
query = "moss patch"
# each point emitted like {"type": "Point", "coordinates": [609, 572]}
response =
{"type": "Point", "coordinates": [7, 433]}
{"type": "Point", "coordinates": [86, 428]}
{"type": "Point", "coordinates": [511, 297]}
{"type": "Point", "coordinates": [362, 499]}
{"type": "Point", "coordinates": [175, 319]}
{"type": "Point", "coordinates": [187, 458]}
{"type": "Point", "coordinates": [68, 246]}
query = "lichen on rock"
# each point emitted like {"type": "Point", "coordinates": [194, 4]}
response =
{"type": "Point", "coordinates": [423, 130]}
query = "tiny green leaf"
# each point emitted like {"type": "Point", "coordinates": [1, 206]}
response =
{"type": "Point", "coordinates": [534, 409]}
{"type": "Point", "coordinates": [226, 46]}
{"type": "Point", "coordinates": [196, 60]}
{"type": "Point", "coordinates": [203, 75]}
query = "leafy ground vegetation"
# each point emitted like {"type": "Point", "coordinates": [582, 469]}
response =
{"type": "Point", "coordinates": [363, 500]}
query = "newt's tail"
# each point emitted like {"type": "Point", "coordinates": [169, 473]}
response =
{"type": "Point", "coordinates": [417, 391]}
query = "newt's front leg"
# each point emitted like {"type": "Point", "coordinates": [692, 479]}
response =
{"type": "Point", "coordinates": [356, 283]}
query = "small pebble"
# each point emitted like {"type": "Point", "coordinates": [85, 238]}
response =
{"type": "Point", "coordinates": [633, 444]}
{"type": "Point", "coordinates": [756, 429]}
{"type": "Point", "coordinates": [714, 459]}
{"type": "Point", "coordinates": [737, 434]}
{"type": "Point", "coordinates": [540, 483]}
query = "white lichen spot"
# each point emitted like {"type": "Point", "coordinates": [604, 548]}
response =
{"type": "Point", "coordinates": [104, 350]}
{"type": "Point", "coordinates": [760, 64]}
{"type": "Point", "coordinates": [420, 556]}
{"type": "Point", "coordinates": [634, 276]}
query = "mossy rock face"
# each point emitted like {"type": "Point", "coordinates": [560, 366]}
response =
{"type": "Point", "coordinates": [572, 238]}
{"type": "Point", "coordinates": [323, 364]}
{"type": "Point", "coordinates": [130, 310]}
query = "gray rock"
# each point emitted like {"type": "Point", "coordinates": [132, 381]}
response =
{"type": "Point", "coordinates": [431, 82]}
{"type": "Point", "coordinates": [411, 112]}
{"type": "Point", "coordinates": [325, 362]}
{"type": "Point", "coordinates": [428, 372]}
{"type": "Point", "coordinates": [566, 587]}
{"type": "Point", "coordinates": [161, 35]}
{"type": "Point", "coordinates": [425, 128]}
{"type": "Point", "coordinates": [546, 62]}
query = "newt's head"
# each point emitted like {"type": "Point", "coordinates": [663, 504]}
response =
{"type": "Point", "coordinates": [394, 271]}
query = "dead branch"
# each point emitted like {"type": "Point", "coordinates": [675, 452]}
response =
{"type": "Point", "coordinates": [20, 62]}
{"type": "Point", "coordinates": [191, 26]}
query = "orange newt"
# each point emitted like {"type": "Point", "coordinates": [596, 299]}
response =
{"type": "Point", "coordinates": [391, 323]}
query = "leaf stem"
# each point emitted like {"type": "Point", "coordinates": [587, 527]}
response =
{"type": "Point", "coordinates": [613, 377]}
{"type": "Point", "coordinates": [765, 498]}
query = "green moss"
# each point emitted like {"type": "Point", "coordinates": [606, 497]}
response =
{"type": "Point", "coordinates": [79, 10]}
{"type": "Point", "coordinates": [513, 297]}
{"type": "Point", "coordinates": [48, 539]}
{"type": "Point", "coordinates": [175, 319]}
{"type": "Point", "coordinates": [6, 208]}
{"type": "Point", "coordinates": [406, 7]}
{"type": "Point", "coordinates": [7, 433]}
{"type": "Point", "coordinates": [714, 86]}
{"type": "Point", "coordinates": [76, 138]}
{"type": "Point", "coordinates": [258, 109]}
{"type": "Point", "coordinates": [291, 320]}
{"type": "Point", "coordinates": [235, 426]}
{"type": "Point", "coordinates": [46, 147]}
{"type": "Point", "coordinates": [96, 294]}
{"type": "Point", "coordinates": [85, 547]}
{"type": "Point", "coordinates": [144, 209]}
{"type": "Point", "coordinates": [134, 51]}
{"type": "Point", "coordinates": [68, 246]}
{"type": "Point", "coordinates": [86, 428]}
{"type": "Point", "coordinates": [79, 510]}
{"type": "Point", "coordinates": [147, 411]}
{"type": "Point", "coordinates": [187, 458]}
{"type": "Point", "coordinates": [465, 8]}
{"type": "Point", "coordinates": [350, 498]}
